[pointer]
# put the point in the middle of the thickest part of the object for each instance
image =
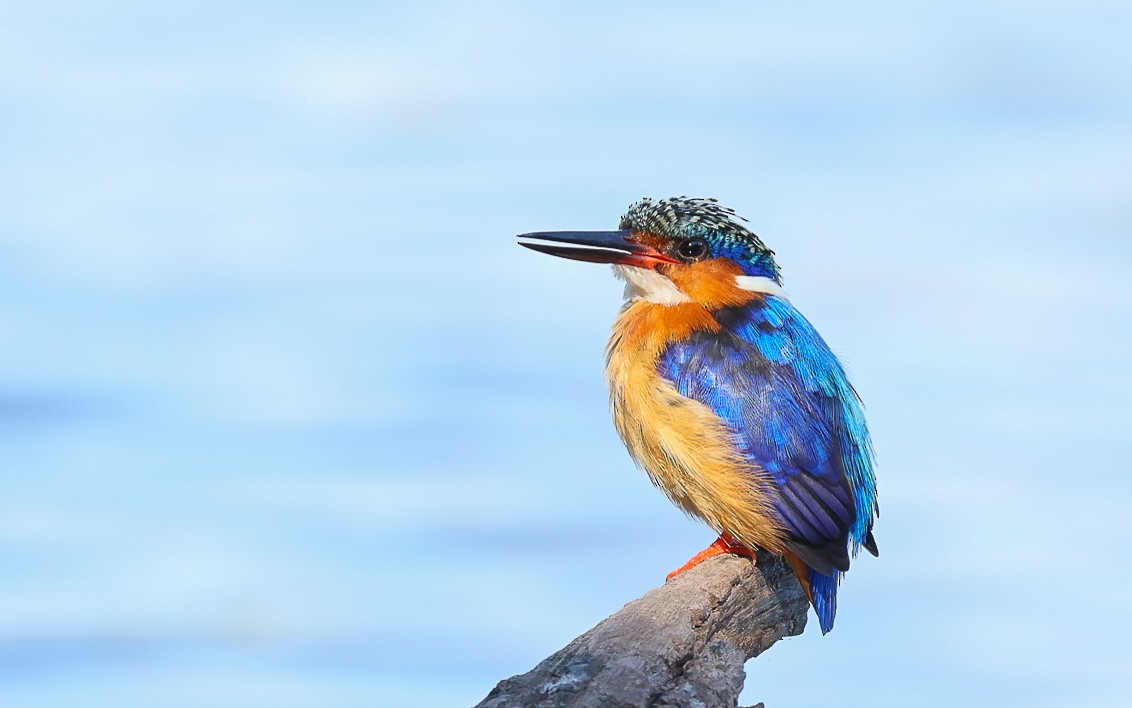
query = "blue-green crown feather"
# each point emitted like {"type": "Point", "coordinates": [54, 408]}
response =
{"type": "Point", "coordinates": [682, 218]}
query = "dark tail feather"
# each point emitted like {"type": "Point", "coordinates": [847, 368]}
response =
{"type": "Point", "coordinates": [870, 544]}
{"type": "Point", "coordinates": [824, 597]}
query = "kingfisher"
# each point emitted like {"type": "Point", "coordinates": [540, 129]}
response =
{"type": "Point", "coordinates": [727, 396]}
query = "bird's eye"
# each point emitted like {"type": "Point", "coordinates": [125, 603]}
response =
{"type": "Point", "coordinates": [692, 249]}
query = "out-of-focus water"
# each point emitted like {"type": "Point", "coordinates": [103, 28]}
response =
{"type": "Point", "coordinates": [286, 419]}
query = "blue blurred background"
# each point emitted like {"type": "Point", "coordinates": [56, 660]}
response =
{"type": "Point", "coordinates": [287, 419]}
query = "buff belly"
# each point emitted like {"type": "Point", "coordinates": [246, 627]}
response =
{"type": "Point", "coordinates": [686, 449]}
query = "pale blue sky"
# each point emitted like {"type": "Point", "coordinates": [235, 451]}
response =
{"type": "Point", "coordinates": [288, 420]}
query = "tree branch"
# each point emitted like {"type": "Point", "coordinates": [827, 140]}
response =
{"type": "Point", "coordinates": [682, 644]}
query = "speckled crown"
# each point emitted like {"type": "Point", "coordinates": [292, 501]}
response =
{"type": "Point", "coordinates": [684, 217]}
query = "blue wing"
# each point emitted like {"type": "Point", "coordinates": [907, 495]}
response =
{"type": "Point", "coordinates": [774, 380]}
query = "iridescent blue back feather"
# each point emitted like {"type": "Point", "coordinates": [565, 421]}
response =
{"type": "Point", "coordinates": [775, 381]}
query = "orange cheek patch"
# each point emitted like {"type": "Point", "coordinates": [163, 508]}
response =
{"type": "Point", "coordinates": [710, 283]}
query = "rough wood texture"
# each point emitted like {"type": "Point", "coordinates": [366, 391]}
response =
{"type": "Point", "coordinates": [682, 644]}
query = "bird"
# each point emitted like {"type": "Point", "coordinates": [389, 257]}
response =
{"type": "Point", "coordinates": [727, 397]}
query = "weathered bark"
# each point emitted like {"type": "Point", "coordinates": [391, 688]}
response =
{"type": "Point", "coordinates": [682, 644]}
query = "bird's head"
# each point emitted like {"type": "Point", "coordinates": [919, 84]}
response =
{"type": "Point", "coordinates": [673, 251]}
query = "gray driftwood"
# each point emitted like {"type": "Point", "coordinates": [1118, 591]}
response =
{"type": "Point", "coordinates": [682, 644]}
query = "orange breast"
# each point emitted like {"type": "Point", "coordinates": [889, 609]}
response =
{"type": "Point", "coordinates": [686, 449]}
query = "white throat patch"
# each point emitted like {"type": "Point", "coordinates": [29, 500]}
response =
{"type": "Point", "coordinates": [646, 284]}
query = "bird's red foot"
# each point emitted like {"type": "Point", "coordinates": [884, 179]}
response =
{"type": "Point", "coordinates": [724, 544]}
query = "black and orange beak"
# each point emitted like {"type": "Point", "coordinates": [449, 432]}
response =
{"type": "Point", "coordinates": [618, 247]}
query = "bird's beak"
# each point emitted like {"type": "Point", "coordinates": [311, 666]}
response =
{"type": "Point", "coordinates": [617, 247]}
